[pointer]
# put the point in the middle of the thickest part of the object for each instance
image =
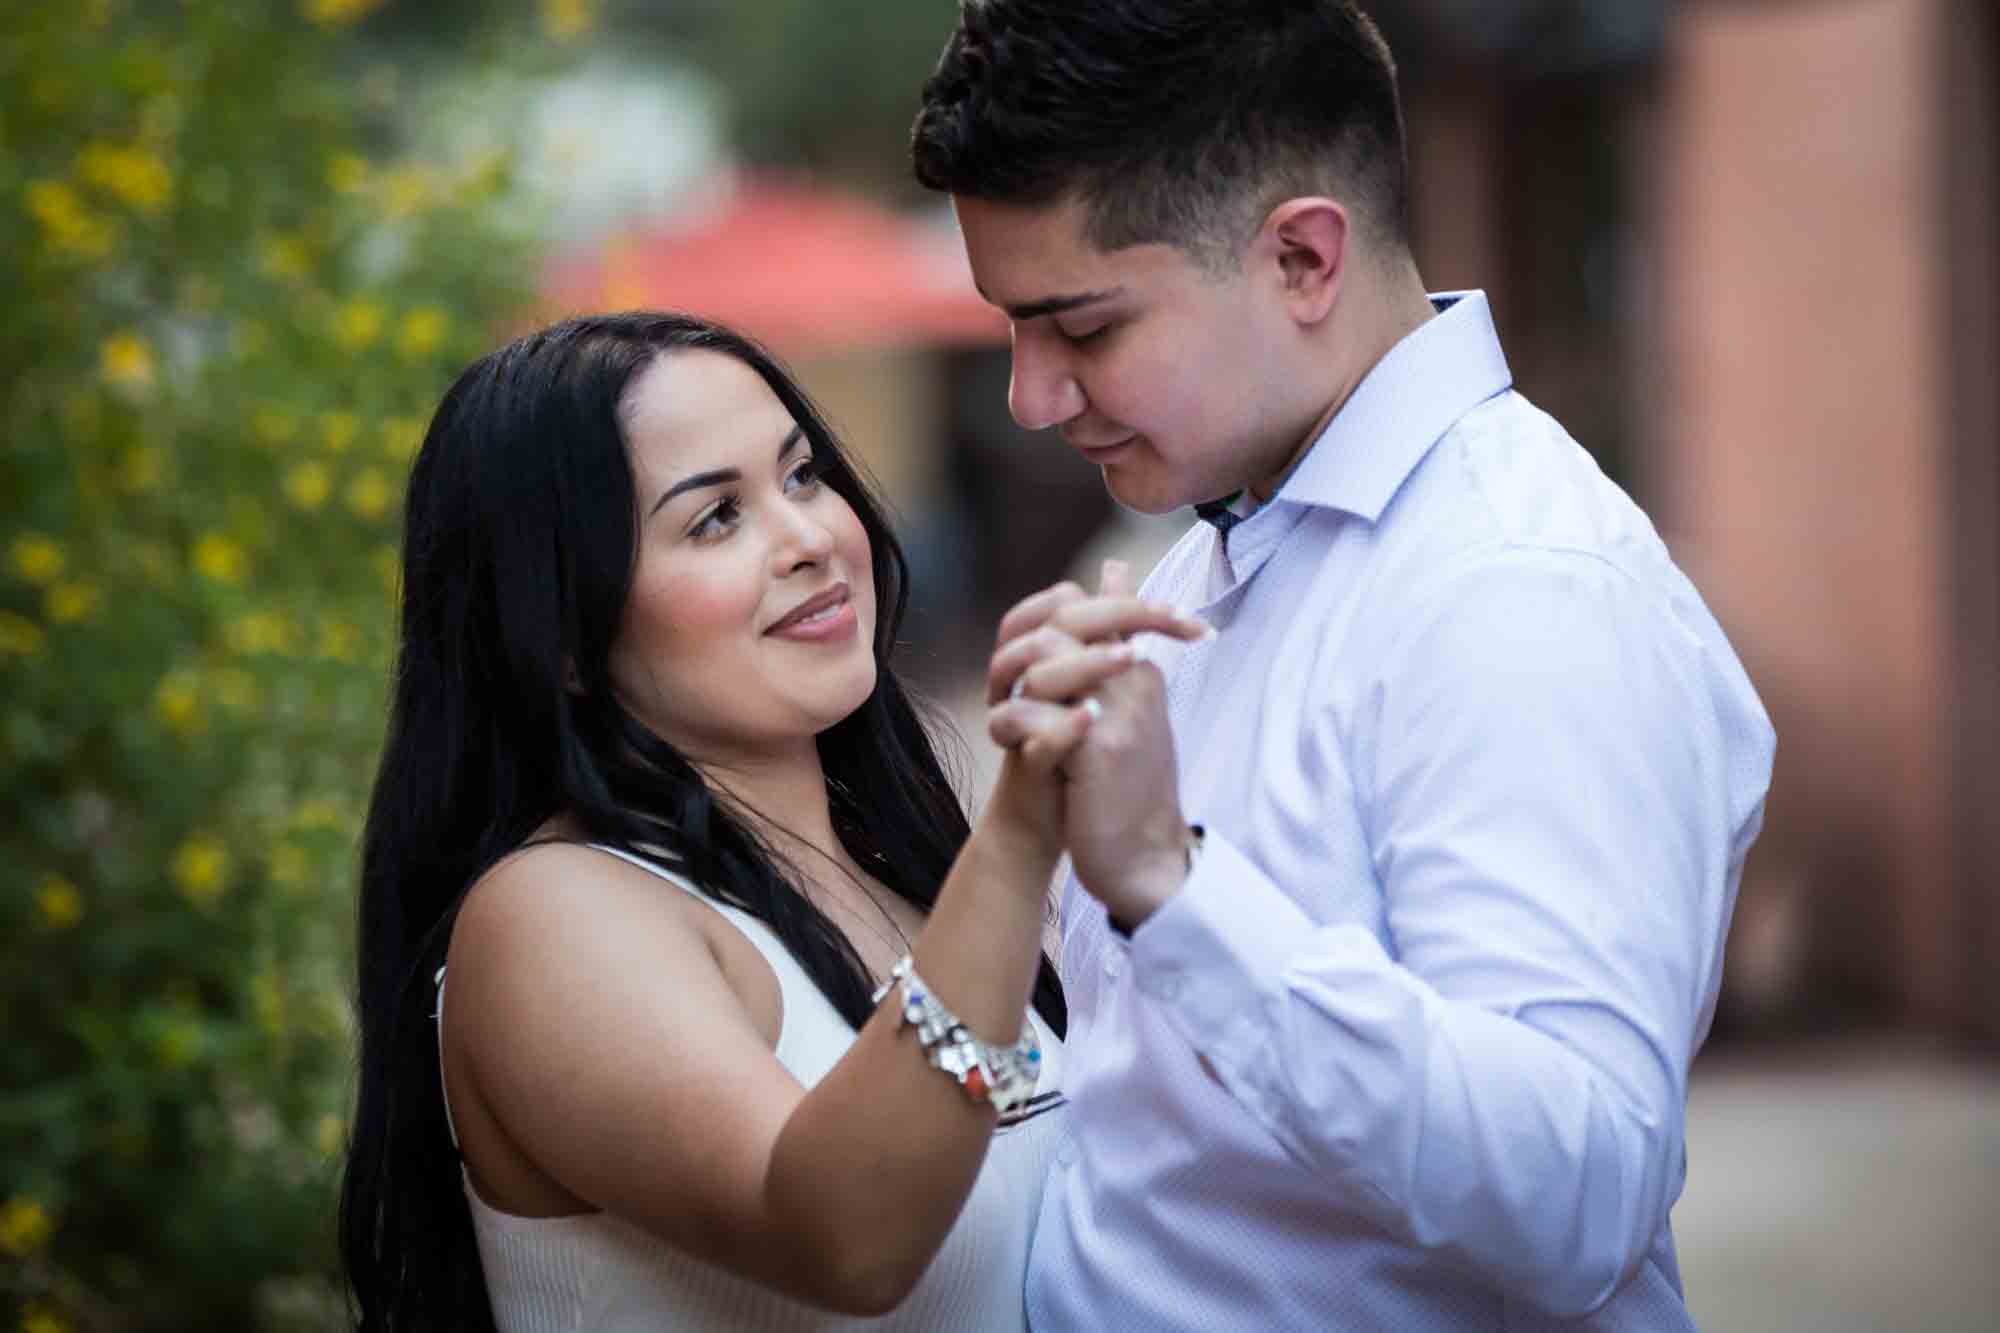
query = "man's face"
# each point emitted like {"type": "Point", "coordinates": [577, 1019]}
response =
{"type": "Point", "coordinates": [1173, 379]}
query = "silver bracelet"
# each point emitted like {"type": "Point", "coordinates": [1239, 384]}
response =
{"type": "Point", "coordinates": [1005, 1076]}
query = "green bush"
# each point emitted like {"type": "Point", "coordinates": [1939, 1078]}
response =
{"type": "Point", "coordinates": [228, 309]}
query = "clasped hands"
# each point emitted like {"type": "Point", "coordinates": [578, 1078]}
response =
{"type": "Point", "coordinates": [1086, 718]}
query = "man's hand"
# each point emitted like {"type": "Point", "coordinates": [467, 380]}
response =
{"type": "Point", "coordinates": [1122, 817]}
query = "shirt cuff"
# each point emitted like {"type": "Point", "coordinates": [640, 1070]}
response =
{"type": "Point", "coordinates": [1219, 944]}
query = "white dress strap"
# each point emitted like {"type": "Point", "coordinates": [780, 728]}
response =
{"type": "Point", "coordinates": [437, 1017]}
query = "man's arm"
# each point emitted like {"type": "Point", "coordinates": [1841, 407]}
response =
{"type": "Point", "coordinates": [1548, 797]}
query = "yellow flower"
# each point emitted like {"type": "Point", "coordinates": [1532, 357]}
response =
{"type": "Point", "coordinates": [358, 324]}
{"type": "Point", "coordinates": [60, 904]}
{"type": "Point", "coordinates": [388, 562]}
{"type": "Point", "coordinates": [339, 641]}
{"type": "Point", "coordinates": [318, 813]}
{"type": "Point", "coordinates": [126, 361]}
{"type": "Point", "coordinates": [41, 1319]}
{"type": "Point", "coordinates": [423, 329]}
{"type": "Point", "coordinates": [261, 632]}
{"type": "Point", "coordinates": [409, 189]}
{"type": "Point", "coordinates": [330, 1134]}
{"type": "Point", "coordinates": [347, 173]}
{"type": "Point", "coordinates": [563, 20]}
{"type": "Point", "coordinates": [285, 255]}
{"type": "Point", "coordinates": [135, 176]}
{"type": "Point", "coordinates": [177, 703]}
{"type": "Point", "coordinates": [337, 430]}
{"type": "Point", "coordinates": [220, 558]}
{"type": "Point", "coordinates": [289, 866]}
{"type": "Point", "coordinates": [402, 437]}
{"type": "Point", "coordinates": [336, 13]}
{"type": "Point", "coordinates": [37, 559]}
{"type": "Point", "coordinates": [273, 426]}
{"type": "Point", "coordinates": [370, 494]}
{"type": "Point", "coordinates": [201, 870]}
{"type": "Point", "coordinates": [307, 484]}
{"type": "Point", "coordinates": [24, 1225]}
{"type": "Point", "coordinates": [19, 636]}
{"type": "Point", "coordinates": [67, 224]}
{"type": "Point", "coordinates": [67, 603]}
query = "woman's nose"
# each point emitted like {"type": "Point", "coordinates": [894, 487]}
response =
{"type": "Point", "coordinates": [806, 540]}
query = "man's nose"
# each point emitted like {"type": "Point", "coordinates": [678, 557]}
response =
{"type": "Point", "coordinates": [1041, 392]}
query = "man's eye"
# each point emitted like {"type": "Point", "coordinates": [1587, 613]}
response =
{"type": "Point", "coordinates": [1079, 338]}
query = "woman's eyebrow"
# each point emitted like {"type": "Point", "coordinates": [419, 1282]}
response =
{"type": "Point", "coordinates": [722, 476]}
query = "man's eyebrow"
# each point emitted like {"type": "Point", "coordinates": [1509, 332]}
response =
{"type": "Point", "coordinates": [722, 476]}
{"type": "Point", "coordinates": [1056, 305]}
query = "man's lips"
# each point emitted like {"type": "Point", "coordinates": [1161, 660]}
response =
{"type": "Point", "coordinates": [1095, 451]}
{"type": "Point", "coordinates": [811, 606]}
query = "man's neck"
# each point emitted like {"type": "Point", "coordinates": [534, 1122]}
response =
{"type": "Point", "coordinates": [1381, 310]}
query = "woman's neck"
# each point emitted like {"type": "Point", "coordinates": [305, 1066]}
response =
{"type": "Point", "coordinates": [785, 801]}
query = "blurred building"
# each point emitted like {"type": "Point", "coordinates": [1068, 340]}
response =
{"type": "Point", "coordinates": [1747, 251]}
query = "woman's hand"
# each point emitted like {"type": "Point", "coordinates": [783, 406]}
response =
{"type": "Point", "coordinates": [1055, 650]}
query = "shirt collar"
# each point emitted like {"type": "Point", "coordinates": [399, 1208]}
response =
{"type": "Point", "coordinates": [1441, 370]}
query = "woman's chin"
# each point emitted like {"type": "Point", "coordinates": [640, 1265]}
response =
{"type": "Point", "coordinates": [852, 699]}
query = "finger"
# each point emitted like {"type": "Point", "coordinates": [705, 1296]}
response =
{"type": "Point", "coordinates": [1043, 734]}
{"type": "Point", "coordinates": [1064, 678]}
{"type": "Point", "coordinates": [1032, 612]}
{"type": "Point", "coordinates": [1040, 645]}
{"type": "Point", "coordinates": [1092, 619]}
{"type": "Point", "coordinates": [1045, 754]}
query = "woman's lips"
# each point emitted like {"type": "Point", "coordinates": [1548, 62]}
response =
{"type": "Point", "coordinates": [835, 623]}
{"type": "Point", "coordinates": [830, 615]}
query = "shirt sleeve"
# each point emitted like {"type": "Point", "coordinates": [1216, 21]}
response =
{"type": "Point", "coordinates": [1540, 773]}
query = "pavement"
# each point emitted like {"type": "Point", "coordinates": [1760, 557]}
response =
{"type": "Point", "coordinates": [1849, 1187]}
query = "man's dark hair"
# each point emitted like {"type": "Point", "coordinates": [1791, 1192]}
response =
{"type": "Point", "coordinates": [1176, 121]}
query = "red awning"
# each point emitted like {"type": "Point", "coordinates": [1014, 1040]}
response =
{"type": "Point", "coordinates": [802, 267]}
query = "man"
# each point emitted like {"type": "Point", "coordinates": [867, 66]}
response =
{"type": "Point", "coordinates": [1402, 1041]}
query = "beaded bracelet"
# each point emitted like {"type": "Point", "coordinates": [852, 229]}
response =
{"type": "Point", "coordinates": [1004, 1076]}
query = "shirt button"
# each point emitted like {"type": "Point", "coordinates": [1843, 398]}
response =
{"type": "Point", "coordinates": [1169, 988]}
{"type": "Point", "coordinates": [1113, 964]}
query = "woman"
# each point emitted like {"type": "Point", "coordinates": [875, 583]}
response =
{"type": "Point", "coordinates": [651, 788]}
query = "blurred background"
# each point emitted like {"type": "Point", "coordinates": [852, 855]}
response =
{"type": "Point", "coordinates": [1745, 251]}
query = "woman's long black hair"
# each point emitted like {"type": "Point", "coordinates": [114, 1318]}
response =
{"type": "Point", "coordinates": [520, 541]}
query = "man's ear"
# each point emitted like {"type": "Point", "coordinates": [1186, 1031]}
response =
{"type": "Point", "coordinates": [1307, 239]}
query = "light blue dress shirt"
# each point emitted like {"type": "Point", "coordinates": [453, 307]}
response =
{"type": "Point", "coordinates": [1479, 772]}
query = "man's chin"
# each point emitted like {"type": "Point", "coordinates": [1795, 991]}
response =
{"type": "Point", "coordinates": [1146, 492]}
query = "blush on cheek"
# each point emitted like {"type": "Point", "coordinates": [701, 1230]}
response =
{"type": "Point", "coordinates": [681, 624]}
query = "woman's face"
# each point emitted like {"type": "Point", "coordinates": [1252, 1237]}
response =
{"type": "Point", "coordinates": [751, 621]}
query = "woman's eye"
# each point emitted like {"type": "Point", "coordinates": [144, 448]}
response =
{"type": "Point", "coordinates": [716, 521]}
{"type": "Point", "coordinates": [804, 475]}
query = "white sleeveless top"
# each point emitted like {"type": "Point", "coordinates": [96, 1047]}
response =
{"type": "Point", "coordinates": [594, 1272]}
